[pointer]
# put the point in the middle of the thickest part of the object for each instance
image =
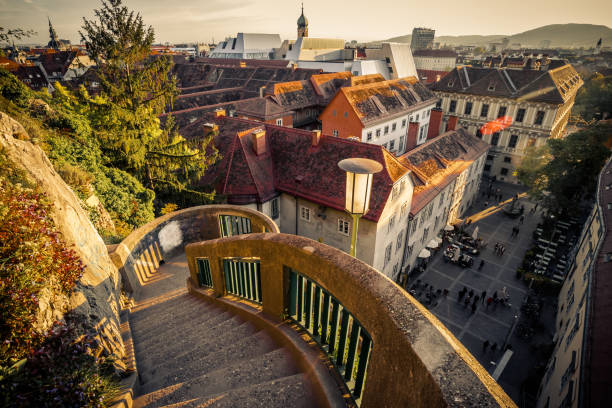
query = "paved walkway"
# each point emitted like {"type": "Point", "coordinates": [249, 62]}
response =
{"type": "Point", "coordinates": [488, 323]}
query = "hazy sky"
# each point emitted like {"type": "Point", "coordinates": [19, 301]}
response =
{"type": "Point", "coordinates": [362, 20]}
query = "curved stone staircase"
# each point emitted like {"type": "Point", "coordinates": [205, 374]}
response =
{"type": "Point", "coordinates": [191, 353]}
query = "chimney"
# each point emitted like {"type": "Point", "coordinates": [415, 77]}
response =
{"type": "Point", "coordinates": [434, 123]}
{"type": "Point", "coordinates": [452, 122]}
{"type": "Point", "coordinates": [259, 141]}
{"type": "Point", "coordinates": [413, 135]}
{"type": "Point", "coordinates": [261, 91]}
{"type": "Point", "coordinates": [219, 112]}
{"type": "Point", "coordinates": [210, 127]}
{"type": "Point", "coordinates": [316, 137]}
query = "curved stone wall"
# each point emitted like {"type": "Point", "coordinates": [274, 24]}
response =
{"type": "Point", "coordinates": [141, 252]}
{"type": "Point", "coordinates": [415, 360]}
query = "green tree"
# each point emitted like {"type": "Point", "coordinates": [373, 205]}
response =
{"type": "Point", "coordinates": [569, 175]}
{"type": "Point", "coordinates": [594, 99]}
{"type": "Point", "coordinates": [530, 172]}
{"type": "Point", "coordinates": [135, 89]}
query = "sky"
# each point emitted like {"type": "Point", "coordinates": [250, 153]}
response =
{"type": "Point", "coordinates": [362, 20]}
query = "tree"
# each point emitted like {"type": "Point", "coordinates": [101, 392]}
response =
{"type": "Point", "coordinates": [594, 100]}
{"type": "Point", "coordinates": [8, 35]}
{"type": "Point", "coordinates": [135, 89]}
{"type": "Point", "coordinates": [569, 175]}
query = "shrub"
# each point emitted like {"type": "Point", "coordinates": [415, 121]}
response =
{"type": "Point", "coordinates": [33, 256]}
{"type": "Point", "coordinates": [63, 372]}
{"type": "Point", "coordinates": [168, 208]}
{"type": "Point", "coordinates": [77, 178]}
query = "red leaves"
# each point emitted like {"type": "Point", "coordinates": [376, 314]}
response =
{"type": "Point", "coordinates": [32, 254]}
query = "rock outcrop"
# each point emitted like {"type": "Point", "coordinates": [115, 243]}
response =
{"type": "Point", "coordinates": [95, 300]}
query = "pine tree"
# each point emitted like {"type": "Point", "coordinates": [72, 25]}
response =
{"type": "Point", "coordinates": [135, 89]}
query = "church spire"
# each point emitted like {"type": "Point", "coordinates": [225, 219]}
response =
{"type": "Point", "coordinates": [302, 25]}
{"type": "Point", "coordinates": [53, 43]}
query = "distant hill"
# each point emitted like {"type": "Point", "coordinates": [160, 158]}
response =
{"type": "Point", "coordinates": [560, 35]}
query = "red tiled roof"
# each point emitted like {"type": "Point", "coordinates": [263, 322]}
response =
{"type": "Point", "coordinates": [437, 162]}
{"type": "Point", "coordinates": [290, 164]}
{"type": "Point", "coordinates": [430, 76]}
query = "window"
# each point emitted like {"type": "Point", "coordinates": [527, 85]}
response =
{"type": "Point", "coordinates": [507, 159]}
{"type": "Point", "coordinates": [403, 123]}
{"type": "Point", "coordinates": [392, 145]}
{"type": "Point", "coordinates": [400, 240]}
{"type": "Point", "coordinates": [377, 132]}
{"type": "Point", "coordinates": [439, 104]}
{"type": "Point", "coordinates": [539, 118]}
{"type": "Point", "coordinates": [388, 253]}
{"type": "Point", "coordinates": [468, 108]}
{"type": "Point", "coordinates": [410, 248]}
{"type": "Point", "coordinates": [335, 133]}
{"type": "Point", "coordinates": [520, 115]}
{"type": "Point", "coordinates": [369, 137]}
{"type": "Point", "coordinates": [417, 117]}
{"type": "Point", "coordinates": [343, 226]}
{"type": "Point", "coordinates": [274, 208]}
{"type": "Point", "coordinates": [411, 119]}
{"type": "Point", "coordinates": [502, 111]}
{"type": "Point", "coordinates": [487, 167]}
{"type": "Point", "coordinates": [495, 139]}
{"type": "Point", "coordinates": [425, 235]}
{"type": "Point", "coordinates": [404, 208]}
{"type": "Point", "coordinates": [355, 73]}
{"type": "Point", "coordinates": [451, 83]}
{"type": "Point", "coordinates": [452, 106]}
{"type": "Point", "coordinates": [395, 192]}
{"type": "Point", "coordinates": [386, 130]}
{"type": "Point", "coordinates": [334, 112]}
{"type": "Point", "coordinates": [413, 226]}
{"type": "Point", "coordinates": [384, 145]}
{"type": "Point", "coordinates": [441, 199]}
{"type": "Point", "coordinates": [279, 122]}
{"type": "Point", "coordinates": [393, 127]}
{"type": "Point", "coordinates": [485, 110]}
{"type": "Point", "coordinates": [478, 133]}
{"type": "Point", "coordinates": [305, 213]}
{"type": "Point", "coordinates": [388, 60]}
{"type": "Point", "coordinates": [390, 70]}
{"type": "Point", "coordinates": [401, 144]}
{"type": "Point", "coordinates": [346, 114]}
{"type": "Point", "coordinates": [503, 171]}
{"type": "Point", "coordinates": [491, 86]}
{"type": "Point", "coordinates": [513, 141]}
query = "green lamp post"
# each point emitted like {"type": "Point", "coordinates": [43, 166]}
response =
{"type": "Point", "coordinates": [359, 175]}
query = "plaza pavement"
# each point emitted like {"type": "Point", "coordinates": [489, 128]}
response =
{"type": "Point", "coordinates": [489, 323]}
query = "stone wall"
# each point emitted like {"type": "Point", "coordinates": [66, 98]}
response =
{"type": "Point", "coordinates": [95, 301]}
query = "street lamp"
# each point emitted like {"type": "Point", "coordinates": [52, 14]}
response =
{"type": "Point", "coordinates": [359, 174]}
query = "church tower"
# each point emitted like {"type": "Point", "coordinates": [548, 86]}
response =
{"type": "Point", "coordinates": [54, 40]}
{"type": "Point", "coordinates": [302, 25]}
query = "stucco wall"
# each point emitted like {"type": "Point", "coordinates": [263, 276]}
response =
{"type": "Point", "coordinates": [166, 236]}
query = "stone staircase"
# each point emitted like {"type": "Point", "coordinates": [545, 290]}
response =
{"type": "Point", "coordinates": [191, 353]}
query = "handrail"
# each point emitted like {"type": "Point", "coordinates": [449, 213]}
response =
{"type": "Point", "coordinates": [414, 360]}
{"type": "Point", "coordinates": [139, 255]}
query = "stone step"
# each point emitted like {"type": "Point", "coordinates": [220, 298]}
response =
{"type": "Point", "coordinates": [142, 311]}
{"type": "Point", "coordinates": [195, 341]}
{"type": "Point", "coordinates": [184, 369]}
{"type": "Point", "coordinates": [167, 334]}
{"type": "Point", "coordinates": [168, 322]}
{"type": "Point", "coordinates": [171, 307]}
{"type": "Point", "coordinates": [292, 391]}
{"type": "Point", "coordinates": [261, 369]}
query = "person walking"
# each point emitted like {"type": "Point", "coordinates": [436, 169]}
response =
{"type": "Point", "coordinates": [471, 292]}
{"type": "Point", "coordinates": [473, 307]}
{"type": "Point", "coordinates": [494, 347]}
{"type": "Point", "coordinates": [481, 264]}
{"type": "Point", "coordinates": [483, 295]}
{"type": "Point", "coordinates": [521, 219]}
{"type": "Point", "coordinates": [476, 298]}
{"type": "Point", "coordinates": [466, 302]}
{"type": "Point", "coordinates": [485, 345]}
{"type": "Point", "coordinates": [489, 301]}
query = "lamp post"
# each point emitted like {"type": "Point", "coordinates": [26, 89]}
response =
{"type": "Point", "coordinates": [359, 175]}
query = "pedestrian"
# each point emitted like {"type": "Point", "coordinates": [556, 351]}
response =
{"type": "Point", "coordinates": [502, 249]}
{"type": "Point", "coordinates": [473, 307]}
{"type": "Point", "coordinates": [483, 295]}
{"type": "Point", "coordinates": [485, 345]}
{"type": "Point", "coordinates": [445, 292]}
{"type": "Point", "coordinates": [476, 298]}
{"type": "Point", "coordinates": [481, 264]}
{"type": "Point", "coordinates": [495, 295]}
{"type": "Point", "coordinates": [496, 247]}
{"type": "Point", "coordinates": [461, 293]}
{"type": "Point", "coordinates": [517, 231]}
{"type": "Point", "coordinates": [521, 219]}
{"type": "Point", "coordinates": [494, 347]}
{"type": "Point", "coordinates": [489, 301]}
{"type": "Point", "coordinates": [471, 292]}
{"type": "Point", "coordinates": [535, 207]}
{"type": "Point", "coordinates": [466, 302]}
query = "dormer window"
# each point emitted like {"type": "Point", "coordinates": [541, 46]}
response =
{"type": "Point", "coordinates": [451, 83]}
{"type": "Point", "coordinates": [491, 86]}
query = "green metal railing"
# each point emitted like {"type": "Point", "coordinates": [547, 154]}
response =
{"type": "Point", "coordinates": [204, 274]}
{"type": "Point", "coordinates": [243, 278]}
{"type": "Point", "coordinates": [234, 225]}
{"type": "Point", "coordinates": [340, 335]}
